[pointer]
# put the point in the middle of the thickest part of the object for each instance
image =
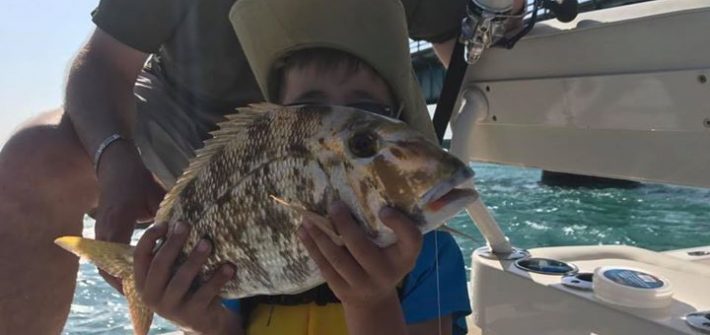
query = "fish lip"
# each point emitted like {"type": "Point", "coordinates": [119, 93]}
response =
{"type": "Point", "coordinates": [439, 190]}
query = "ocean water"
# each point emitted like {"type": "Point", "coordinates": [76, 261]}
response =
{"type": "Point", "coordinates": [656, 217]}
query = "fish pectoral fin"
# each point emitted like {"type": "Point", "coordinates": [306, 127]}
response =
{"type": "Point", "coordinates": [325, 226]}
{"type": "Point", "coordinates": [114, 258]}
{"type": "Point", "coordinates": [456, 232]}
{"type": "Point", "coordinates": [286, 203]}
{"type": "Point", "coordinates": [141, 315]}
{"type": "Point", "coordinates": [318, 220]}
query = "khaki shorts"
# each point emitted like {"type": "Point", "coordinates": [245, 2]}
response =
{"type": "Point", "coordinates": [167, 130]}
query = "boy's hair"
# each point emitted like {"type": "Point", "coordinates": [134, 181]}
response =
{"type": "Point", "coordinates": [325, 60]}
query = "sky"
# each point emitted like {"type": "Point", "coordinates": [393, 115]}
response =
{"type": "Point", "coordinates": [38, 40]}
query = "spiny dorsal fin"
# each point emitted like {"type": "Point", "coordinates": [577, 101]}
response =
{"type": "Point", "coordinates": [258, 108]}
{"type": "Point", "coordinates": [228, 130]}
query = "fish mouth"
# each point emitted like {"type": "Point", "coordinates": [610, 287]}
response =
{"type": "Point", "coordinates": [447, 198]}
{"type": "Point", "coordinates": [447, 190]}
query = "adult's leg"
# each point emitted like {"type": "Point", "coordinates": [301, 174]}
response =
{"type": "Point", "coordinates": [46, 185]}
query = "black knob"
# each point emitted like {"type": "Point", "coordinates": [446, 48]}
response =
{"type": "Point", "coordinates": [565, 11]}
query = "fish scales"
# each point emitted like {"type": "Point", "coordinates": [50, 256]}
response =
{"type": "Point", "coordinates": [260, 240]}
{"type": "Point", "coordinates": [307, 157]}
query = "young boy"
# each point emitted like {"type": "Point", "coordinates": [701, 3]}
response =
{"type": "Point", "coordinates": [336, 52]}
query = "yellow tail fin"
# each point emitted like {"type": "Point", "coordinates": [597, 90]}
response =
{"type": "Point", "coordinates": [117, 260]}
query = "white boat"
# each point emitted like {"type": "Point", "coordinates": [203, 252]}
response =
{"type": "Point", "coordinates": [621, 93]}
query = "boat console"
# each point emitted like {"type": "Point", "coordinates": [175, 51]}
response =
{"type": "Point", "coordinates": [652, 293]}
{"type": "Point", "coordinates": [621, 93]}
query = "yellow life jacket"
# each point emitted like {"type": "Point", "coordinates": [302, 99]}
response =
{"type": "Point", "coordinates": [314, 312]}
{"type": "Point", "coordinates": [307, 319]}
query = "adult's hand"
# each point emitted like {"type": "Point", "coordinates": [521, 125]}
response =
{"type": "Point", "coordinates": [128, 193]}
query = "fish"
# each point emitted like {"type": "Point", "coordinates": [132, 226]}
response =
{"type": "Point", "coordinates": [267, 167]}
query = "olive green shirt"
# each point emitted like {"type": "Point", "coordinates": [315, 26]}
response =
{"type": "Point", "coordinates": [197, 54]}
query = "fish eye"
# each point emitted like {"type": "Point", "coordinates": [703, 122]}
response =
{"type": "Point", "coordinates": [363, 144]}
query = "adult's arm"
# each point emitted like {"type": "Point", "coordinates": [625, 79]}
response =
{"type": "Point", "coordinates": [100, 102]}
{"type": "Point", "coordinates": [99, 95]}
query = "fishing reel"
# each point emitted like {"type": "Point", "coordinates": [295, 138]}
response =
{"type": "Point", "coordinates": [485, 25]}
{"type": "Point", "coordinates": [487, 22]}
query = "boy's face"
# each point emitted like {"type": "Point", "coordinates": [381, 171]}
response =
{"type": "Point", "coordinates": [337, 86]}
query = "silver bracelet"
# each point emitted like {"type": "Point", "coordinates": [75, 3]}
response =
{"type": "Point", "coordinates": [102, 147]}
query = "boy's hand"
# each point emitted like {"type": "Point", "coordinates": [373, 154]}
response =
{"type": "Point", "coordinates": [169, 295]}
{"type": "Point", "coordinates": [361, 274]}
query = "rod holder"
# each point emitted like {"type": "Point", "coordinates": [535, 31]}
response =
{"type": "Point", "coordinates": [473, 109]}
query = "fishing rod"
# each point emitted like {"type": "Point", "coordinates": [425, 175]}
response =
{"type": "Point", "coordinates": [485, 26]}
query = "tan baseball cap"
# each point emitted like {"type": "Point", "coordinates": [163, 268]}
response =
{"type": "Point", "coordinates": [372, 30]}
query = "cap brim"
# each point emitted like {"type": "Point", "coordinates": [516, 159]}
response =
{"type": "Point", "coordinates": [372, 30]}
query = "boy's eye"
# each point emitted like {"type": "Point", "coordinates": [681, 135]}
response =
{"type": "Point", "coordinates": [363, 144]}
{"type": "Point", "coordinates": [374, 107]}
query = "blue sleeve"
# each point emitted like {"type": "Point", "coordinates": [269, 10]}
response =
{"type": "Point", "coordinates": [231, 304]}
{"type": "Point", "coordinates": [421, 301]}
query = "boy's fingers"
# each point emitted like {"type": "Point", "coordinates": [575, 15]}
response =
{"type": "Point", "coordinates": [181, 281]}
{"type": "Point", "coordinates": [335, 281]}
{"type": "Point", "coordinates": [143, 253]}
{"type": "Point", "coordinates": [209, 290]}
{"type": "Point", "coordinates": [409, 238]}
{"type": "Point", "coordinates": [325, 225]}
{"type": "Point", "coordinates": [338, 257]}
{"type": "Point", "coordinates": [365, 252]}
{"type": "Point", "coordinates": [159, 271]}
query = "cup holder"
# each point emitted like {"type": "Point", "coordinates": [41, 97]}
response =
{"type": "Point", "coordinates": [580, 281]}
{"type": "Point", "coordinates": [546, 266]}
{"type": "Point", "coordinates": [699, 321]}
